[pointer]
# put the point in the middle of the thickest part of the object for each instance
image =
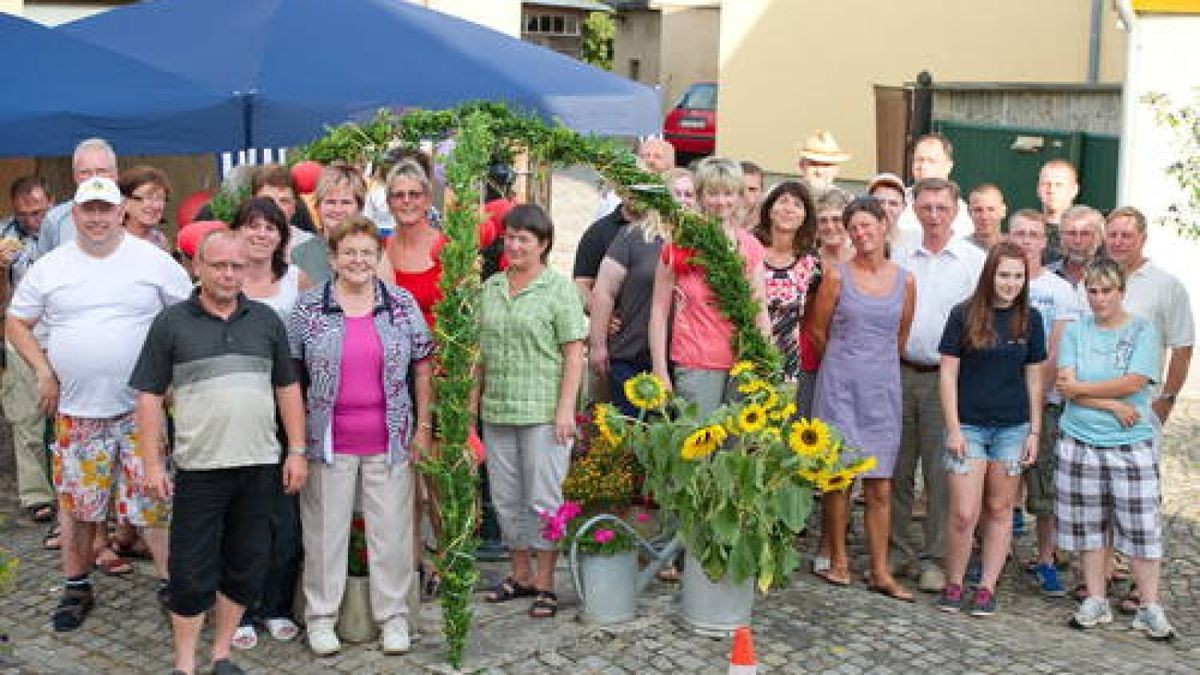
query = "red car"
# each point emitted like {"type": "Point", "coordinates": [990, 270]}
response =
{"type": "Point", "coordinates": [691, 126]}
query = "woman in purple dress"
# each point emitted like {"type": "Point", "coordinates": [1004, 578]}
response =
{"type": "Point", "coordinates": [859, 319]}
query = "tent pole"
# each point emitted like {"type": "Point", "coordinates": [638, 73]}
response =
{"type": "Point", "coordinates": [247, 120]}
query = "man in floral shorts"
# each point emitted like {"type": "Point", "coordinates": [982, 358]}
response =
{"type": "Point", "coordinates": [95, 298]}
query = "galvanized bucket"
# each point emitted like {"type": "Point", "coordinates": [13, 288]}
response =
{"type": "Point", "coordinates": [713, 609]}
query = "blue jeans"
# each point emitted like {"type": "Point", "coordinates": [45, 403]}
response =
{"type": "Point", "coordinates": [1004, 445]}
{"type": "Point", "coordinates": [621, 372]}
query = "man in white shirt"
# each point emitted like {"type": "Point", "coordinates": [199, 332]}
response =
{"type": "Point", "coordinates": [987, 210]}
{"type": "Point", "coordinates": [933, 157]}
{"type": "Point", "coordinates": [1154, 294]}
{"type": "Point", "coordinates": [946, 271]}
{"type": "Point", "coordinates": [97, 296]}
{"type": "Point", "coordinates": [1058, 304]}
{"type": "Point", "coordinates": [93, 157]}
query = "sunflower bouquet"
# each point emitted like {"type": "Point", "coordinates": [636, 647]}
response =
{"type": "Point", "coordinates": [738, 481]}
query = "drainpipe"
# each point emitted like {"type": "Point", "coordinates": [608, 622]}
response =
{"type": "Point", "coordinates": [1129, 96]}
{"type": "Point", "coordinates": [1093, 72]}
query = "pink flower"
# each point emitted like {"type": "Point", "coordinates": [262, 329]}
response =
{"type": "Point", "coordinates": [569, 510]}
{"type": "Point", "coordinates": [603, 536]}
{"type": "Point", "coordinates": [642, 517]}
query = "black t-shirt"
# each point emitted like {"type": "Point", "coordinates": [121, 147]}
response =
{"type": "Point", "coordinates": [991, 382]}
{"type": "Point", "coordinates": [595, 242]}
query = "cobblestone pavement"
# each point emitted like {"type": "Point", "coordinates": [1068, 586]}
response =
{"type": "Point", "coordinates": [805, 627]}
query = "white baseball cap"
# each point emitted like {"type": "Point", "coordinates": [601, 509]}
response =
{"type": "Point", "coordinates": [98, 189]}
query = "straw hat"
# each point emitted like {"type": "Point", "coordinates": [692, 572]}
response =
{"type": "Point", "coordinates": [823, 147]}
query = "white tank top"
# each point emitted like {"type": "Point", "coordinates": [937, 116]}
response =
{"type": "Point", "coordinates": [285, 298]}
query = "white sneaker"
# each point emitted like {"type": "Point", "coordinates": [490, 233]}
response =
{"type": "Point", "coordinates": [1091, 613]}
{"type": "Point", "coordinates": [322, 639]}
{"type": "Point", "coordinates": [1152, 621]}
{"type": "Point", "coordinates": [395, 636]}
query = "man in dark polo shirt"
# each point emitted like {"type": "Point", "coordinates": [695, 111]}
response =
{"type": "Point", "coordinates": [226, 359]}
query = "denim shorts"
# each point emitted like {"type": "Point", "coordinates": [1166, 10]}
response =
{"type": "Point", "coordinates": [1004, 445]}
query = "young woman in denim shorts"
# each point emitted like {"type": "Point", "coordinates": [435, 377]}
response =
{"type": "Point", "coordinates": [993, 348]}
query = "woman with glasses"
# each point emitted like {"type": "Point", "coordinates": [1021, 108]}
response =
{"type": "Point", "coordinates": [832, 241]}
{"type": "Point", "coordinates": [146, 190]}
{"type": "Point", "coordinates": [361, 340]}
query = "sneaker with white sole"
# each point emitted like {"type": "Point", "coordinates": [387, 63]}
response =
{"type": "Point", "coordinates": [1091, 613]}
{"type": "Point", "coordinates": [322, 639]}
{"type": "Point", "coordinates": [245, 637]}
{"type": "Point", "coordinates": [1152, 620]}
{"type": "Point", "coordinates": [395, 636]}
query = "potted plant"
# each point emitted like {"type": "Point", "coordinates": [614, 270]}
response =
{"type": "Point", "coordinates": [591, 529]}
{"type": "Point", "coordinates": [739, 482]}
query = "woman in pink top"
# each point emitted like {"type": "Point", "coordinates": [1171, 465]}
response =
{"type": "Point", "coordinates": [700, 347]}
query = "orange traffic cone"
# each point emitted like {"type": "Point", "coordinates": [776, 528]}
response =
{"type": "Point", "coordinates": [741, 661]}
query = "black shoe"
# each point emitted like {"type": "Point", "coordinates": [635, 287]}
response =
{"type": "Point", "coordinates": [226, 667]}
{"type": "Point", "coordinates": [73, 608]}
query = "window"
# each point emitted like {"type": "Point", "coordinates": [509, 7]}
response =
{"type": "Point", "coordinates": [552, 24]}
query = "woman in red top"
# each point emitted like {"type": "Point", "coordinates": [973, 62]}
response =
{"type": "Point", "coordinates": [411, 256]}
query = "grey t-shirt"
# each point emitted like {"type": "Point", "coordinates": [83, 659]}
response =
{"type": "Point", "coordinates": [640, 260]}
{"type": "Point", "coordinates": [312, 256]}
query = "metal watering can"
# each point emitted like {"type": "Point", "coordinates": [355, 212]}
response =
{"type": "Point", "coordinates": [608, 585]}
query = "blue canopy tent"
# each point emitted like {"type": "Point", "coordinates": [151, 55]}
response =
{"type": "Point", "coordinates": [59, 89]}
{"type": "Point", "coordinates": [299, 65]}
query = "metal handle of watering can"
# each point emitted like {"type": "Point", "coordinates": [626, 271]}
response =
{"type": "Point", "coordinates": [657, 557]}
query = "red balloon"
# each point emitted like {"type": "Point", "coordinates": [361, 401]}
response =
{"type": "Point", "coordinates": [190, 206]}
{"type": "Point", "coordinates": [306, 174]}
{"type": "Point", "coordinates": [189, 237]}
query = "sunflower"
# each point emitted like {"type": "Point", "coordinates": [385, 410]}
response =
{"type": "Point", "coordinates": [703, 442]}
{"type": "Point", "coordinates": [783, 414]}
{"type": "Point", "coordinates": [811, 475]}
{"type": "Point", "coordinates": [836, 482]}
{"type": "Point", "coordinates": [646, 392]}
{"type": "Point", "coordinates": [730, 425]}
{"type": "Point", "coordinates": [810, 437]}
{"type": "Point", "coordinates": [754, 386]}
{"type": "Point", "coordinates": [752, 418]}
{"type": "Point", "coordinates": [862, 466]}
{"type": "Point", "coordinates": [741, 367]}
{"type": "Point", "coordinates": [600, 419]}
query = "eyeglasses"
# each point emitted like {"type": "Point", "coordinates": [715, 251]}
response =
{"type": "Point", "coordinates": [829, 219]}
{"type": "Point", "coordinates": [359, 253]}
{"type": "Point", "coordinates": [409, 195]}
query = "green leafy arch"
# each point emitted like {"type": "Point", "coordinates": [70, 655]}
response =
{"type": "Point", "coordinates": [483, 131]}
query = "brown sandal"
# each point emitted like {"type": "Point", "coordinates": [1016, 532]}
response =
{"type": "Point", "coordinates": [509, 589]}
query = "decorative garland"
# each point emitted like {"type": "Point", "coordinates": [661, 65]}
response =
{"type": "Point", "coordinates": [484, 130]}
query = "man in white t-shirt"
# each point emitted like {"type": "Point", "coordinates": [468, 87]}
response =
{"type": "Point", "coordinates": [933, 157]}
{"type": "Point", "coordinates": [1155, 294]}
{"type": "Point", "coordinates": [1058, 304]}
{"type": "Point", "coordinates": [96, 296]}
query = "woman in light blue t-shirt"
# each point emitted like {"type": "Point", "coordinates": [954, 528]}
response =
{"type": "Point", "coordinates": [1107, 475]}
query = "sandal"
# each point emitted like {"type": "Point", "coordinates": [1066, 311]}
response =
{"type": "Point", "coordinates": [282, 629]}
{"type": "Point", "coordinates": [41, 513]}
{"type": "Point", "coordinates": [834, 577]}
{"type": "Point", "coordinates": [73, 608]}
{"type": "Point", "coordinates": [545, 606]}
{"type": "Point", "coordinates": [53, 539]}
{"type": "Point", "coordinates": [136, 549]}
{"type": "Point", "coordinates": [113, 566]}
{"type": "Point", "coordinates": [509, 589]}
{"type": "Point", "coordinates": [245, 637]}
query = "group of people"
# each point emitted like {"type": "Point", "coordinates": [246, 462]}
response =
{"type": "Point", "coordinates": [229, 405]}
{"type": "Point", "coordinates": [1019, 364]}
{"type": "Point", "coordinates": [232, 419]}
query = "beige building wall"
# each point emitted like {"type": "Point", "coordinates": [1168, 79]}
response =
{"type": "Point", "coordinates": [791, 66]}
{"type": "Point", "coordinates": [499, 15]}
{"type": "Point", "coordinates": [636, 37]}
{"type": "Point", "coordinates": [690, 48]}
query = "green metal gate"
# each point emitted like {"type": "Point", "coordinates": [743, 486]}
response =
{"type": "Point", "coordinates": [1011, 157]}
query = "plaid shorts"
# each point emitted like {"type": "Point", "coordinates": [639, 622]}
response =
{"type": "Point", "coordinates": [95, 465]}
{"type": "Point", "coordinates": [1102, 489]}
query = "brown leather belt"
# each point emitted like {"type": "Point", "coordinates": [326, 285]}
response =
{"type": "Point", "coordinates": [919, 367]}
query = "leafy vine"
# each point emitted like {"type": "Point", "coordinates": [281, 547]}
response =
{"type": "Point", "coordinates": [483, 130]}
